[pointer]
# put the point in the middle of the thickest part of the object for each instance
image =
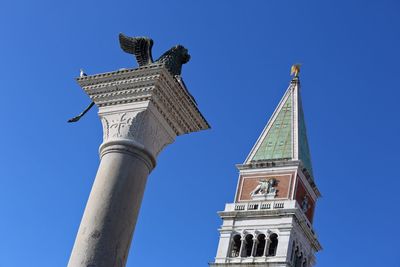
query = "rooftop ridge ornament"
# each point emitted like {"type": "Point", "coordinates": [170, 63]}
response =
{"type": "Point", "coordinates": [140, 47]}
{"type": "Point", "coordinates": [295, 70]}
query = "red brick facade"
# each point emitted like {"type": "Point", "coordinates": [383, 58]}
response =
{"type": "Point", "coordinates": [299, 196]}
{"type": "Point", "coordinates": [249, 182]}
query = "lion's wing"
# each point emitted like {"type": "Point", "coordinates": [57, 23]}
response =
{"type": "Point", "coordinates": [138, 46]}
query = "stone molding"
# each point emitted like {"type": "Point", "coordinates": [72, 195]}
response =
{"type": "Point", "coordinates": [139, 128]}
{"type": "Point", "coordinates": [131, 148]}
{"type": "Point", "coordinates": [151, 83]}
{"type": "Point", "coordinates": [252, 264]}
{"type": "Point", "coordinates": [145, 108]}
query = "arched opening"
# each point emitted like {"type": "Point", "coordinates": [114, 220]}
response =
{"type": "Point", "coordinates": [273, 245]}
{"type": "Point", "coordinates": [305, 263]}
{"type": "Point", "coordinates": [299, 260]}
{"type": "Point", "coordinates": [260, 245]}
{"type": "Point", "coordinates": [236, 243]}
{"type": "Point", "coordinates": [292, 254]}
{"type": "Point", "coordinates": [248, 245]}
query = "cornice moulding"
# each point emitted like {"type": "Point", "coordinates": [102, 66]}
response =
{"type": "Point", "coordinates": [150, 83]}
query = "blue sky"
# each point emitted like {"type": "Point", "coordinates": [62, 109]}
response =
{"type": "Point", "coordinates": [241, 56]}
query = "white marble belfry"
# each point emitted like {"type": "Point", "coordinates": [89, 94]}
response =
{"type": "Point", "coordinates": [142, 111]}
{"type": "Point", "coordinates": [269, 223]}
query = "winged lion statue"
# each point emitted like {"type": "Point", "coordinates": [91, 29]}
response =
{"type": "Point", "coordinates": [141, 48]}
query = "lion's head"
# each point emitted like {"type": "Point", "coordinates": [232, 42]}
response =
{"type": "Point", "coordinates": [174, 58]}
{"type": "Point", "coordinates": [183, 53]}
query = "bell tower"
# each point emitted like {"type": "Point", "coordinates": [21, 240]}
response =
{"type": "Point", "coordinates": [269, 224]}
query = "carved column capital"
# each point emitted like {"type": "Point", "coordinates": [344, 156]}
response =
{"type": "Point", "coordinates": [141, 128]}
{"type": "Point", "coordinates": [144, 108]}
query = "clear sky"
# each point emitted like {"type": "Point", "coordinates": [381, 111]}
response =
{"type": "Point", "coordinates": [241, 56]}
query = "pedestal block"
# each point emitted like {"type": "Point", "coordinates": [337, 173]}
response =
{"type": "Point", "coordinates": [142, 111]}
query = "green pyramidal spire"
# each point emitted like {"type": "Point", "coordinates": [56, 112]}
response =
{"type": "Point", "coordinates": [285, 136]}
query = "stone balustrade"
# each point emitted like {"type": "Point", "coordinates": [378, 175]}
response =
{"type": "Point", "coordinates": [269, 205]}
{"type": "Point", "coordinates": [261, 205]}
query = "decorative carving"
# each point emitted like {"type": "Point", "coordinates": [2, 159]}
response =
{"type": "Point", "coordinates": [141, 127]}
{"type": "Point", "coordinates": [134, 86]}
{"type": "Point", "coordinates": [265, 189]}
{"type": "Point", "coordinates": [120, 124]}
{"type": "Point", "coordinates": [141, 47]}
{"type": "Point", "coordinates": [138, 46]}
{"type": "Point", "coordinates": [106, 127]}
{"type": "Point", "coordinates": [305, 205]}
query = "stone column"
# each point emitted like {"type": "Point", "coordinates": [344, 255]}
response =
{"type": "Point", "coordinates": [242, 244]}
{"type": "Point", "coordinates": [255, 244]}
{"type": "Point", "coordinates": [266, 248]}
{"type": "Point", "coordinates": [142, 111]}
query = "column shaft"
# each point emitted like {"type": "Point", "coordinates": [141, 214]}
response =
{"type": "Point", "coordinates": [253, 249]}
{"type": "Point", "coordinates": [243, 243]}
{"type": "Point", "coordinates": [107, 226]}
{"type": "Point", "coordinates": [267, 242]}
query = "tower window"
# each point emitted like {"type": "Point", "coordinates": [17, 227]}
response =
{"type": "Point", "coordinates": [260, 245]}
{"type": "Point", "coordinates": [299, 260]}
{"type": "Point", "coordinates": [293, 253]}
{"type": "Point", "coordinates": [236, 244]}
{"type": "Point", "coordinates": [273, 239]}
{"type": "Point", "coordinates": [248, 245]}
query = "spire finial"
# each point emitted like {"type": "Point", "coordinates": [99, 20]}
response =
{"type": "Point", "coordinates": [295, 70]}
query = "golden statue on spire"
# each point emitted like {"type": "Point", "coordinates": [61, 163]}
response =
{"type": "Point", "coordinates": [295, 70]}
